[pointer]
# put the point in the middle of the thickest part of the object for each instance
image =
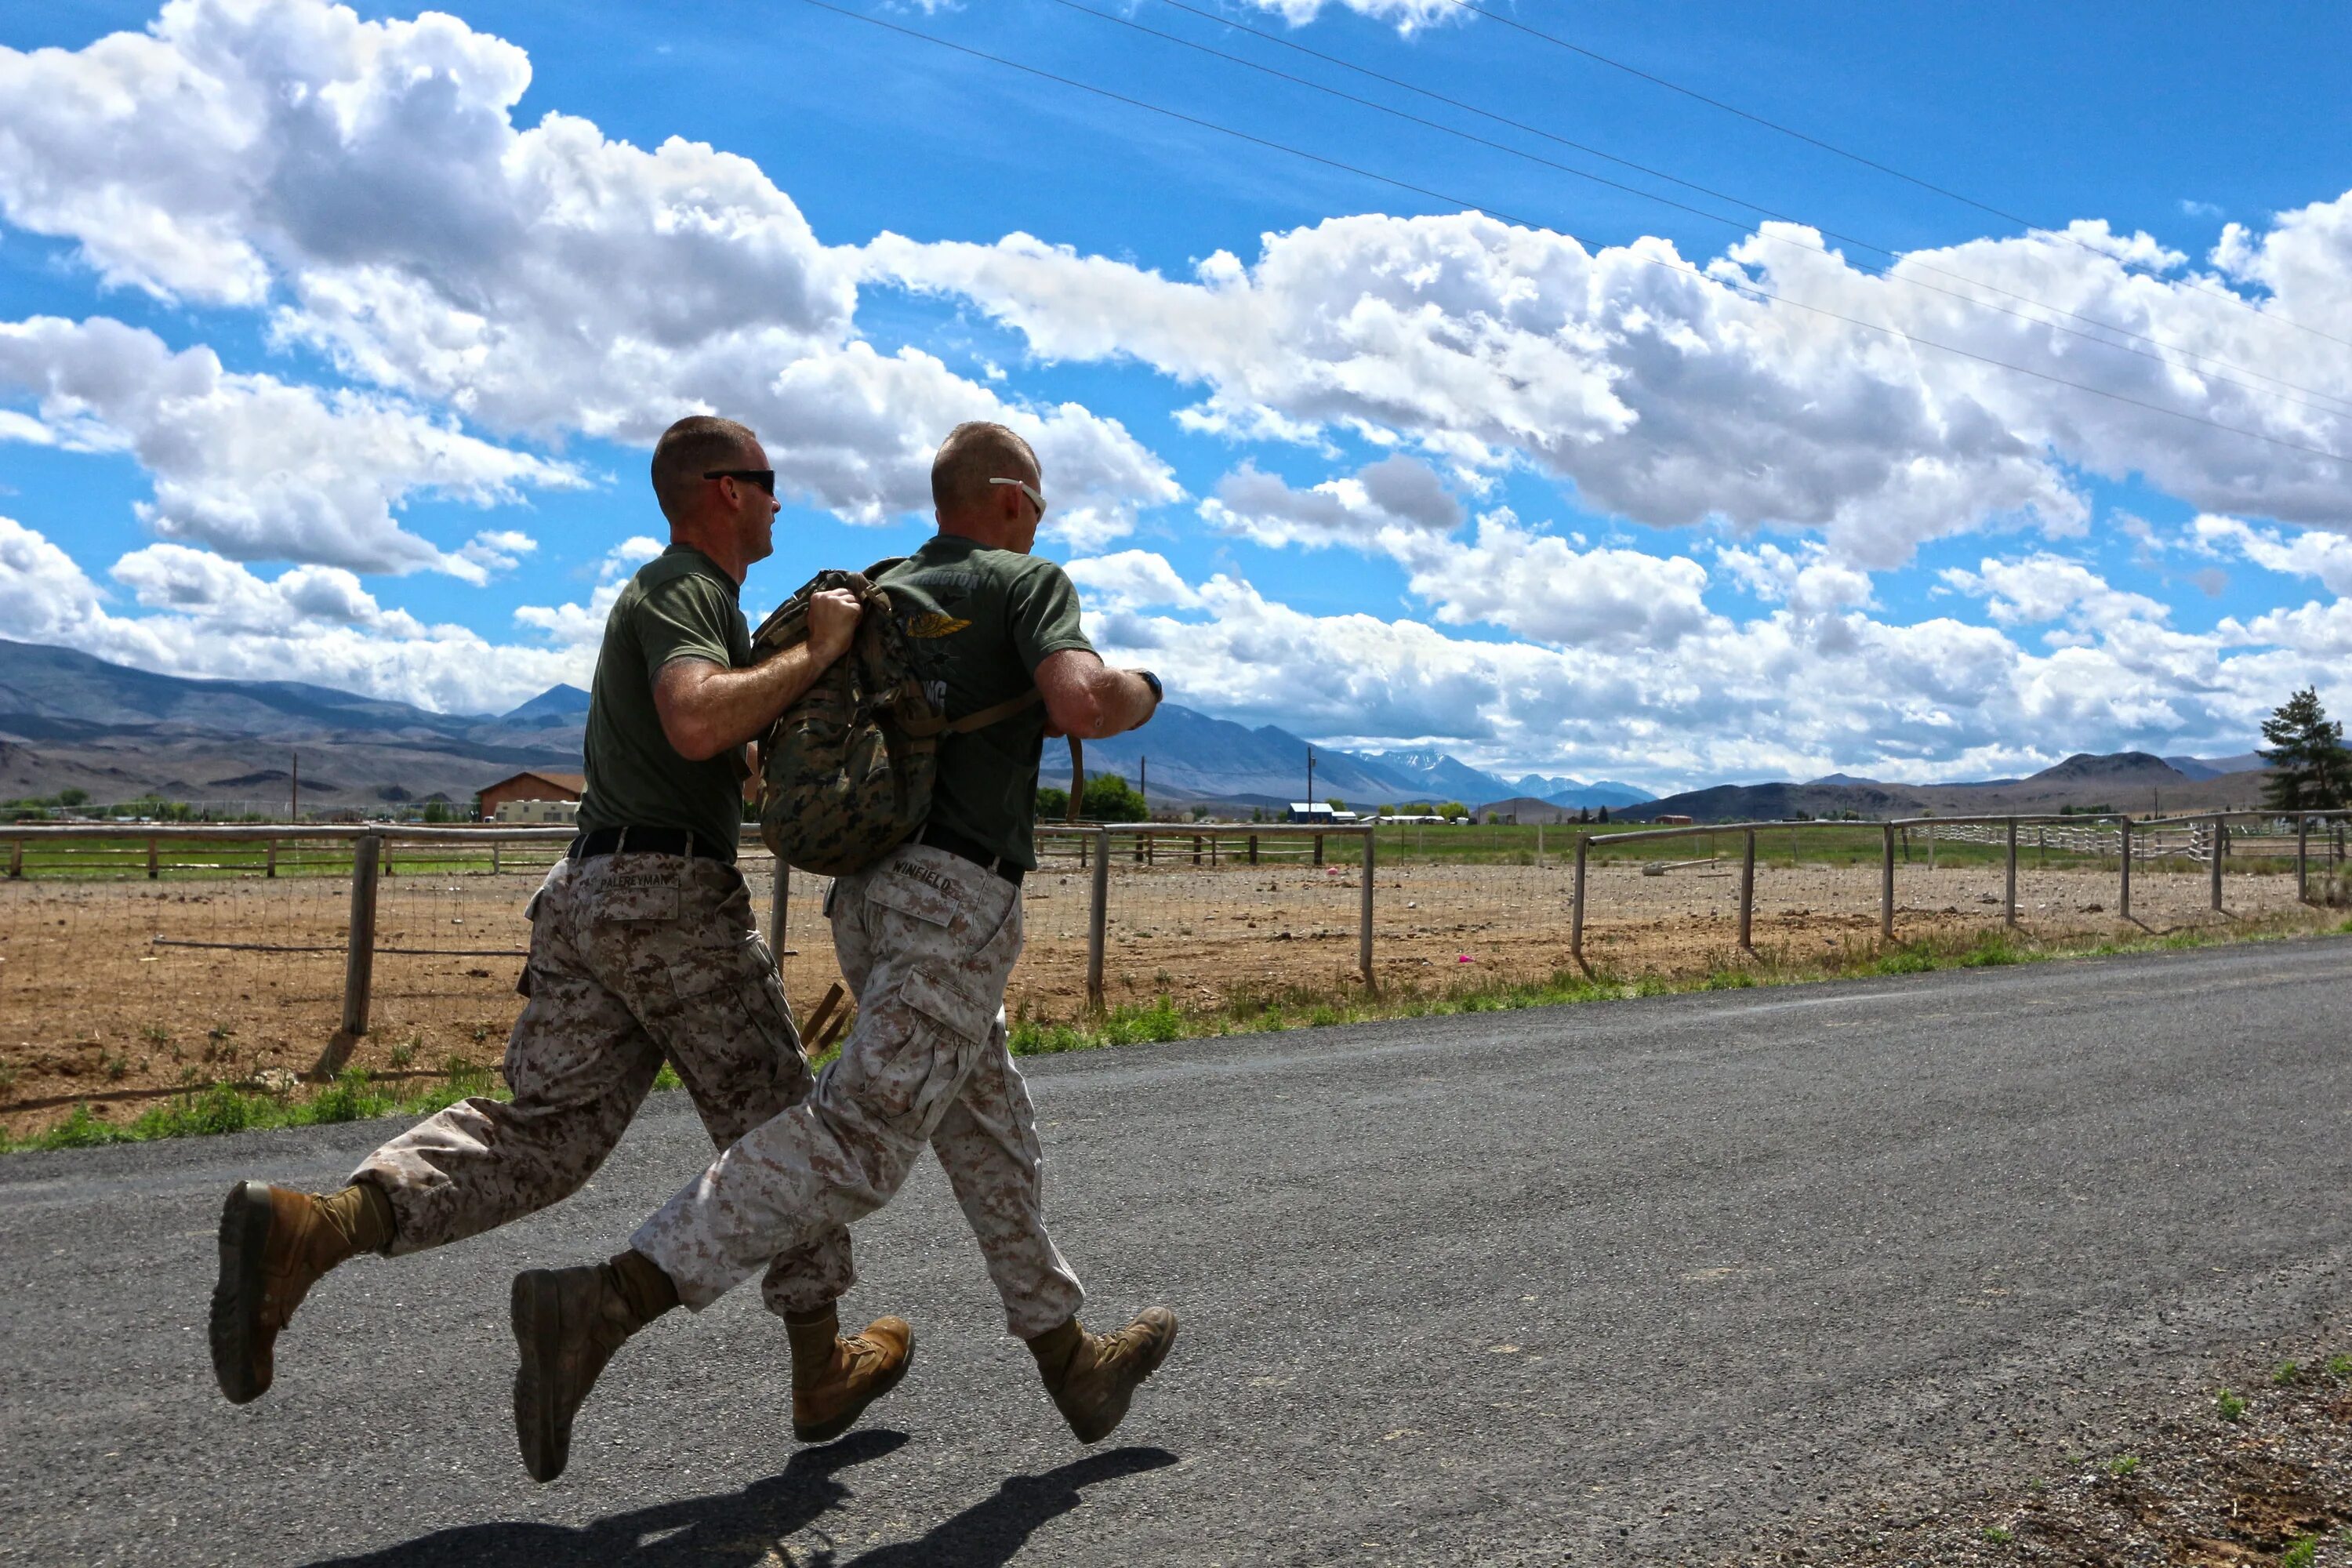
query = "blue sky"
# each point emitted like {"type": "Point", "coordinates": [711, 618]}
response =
{"type": "Point", "coordinates": [325, 352]}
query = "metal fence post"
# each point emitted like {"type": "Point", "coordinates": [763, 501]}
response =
{"type": "Point", "coordinates": [2126, 901]}
{"type": "Point", "coordinates": [1748, 892]}
{"type": "Point", "coordinates": [1931, 847]}
{"type": "Point", "coordinates": [1364, 928]}
{"type": "Point", "coordinates": [1576, 902]}
{"type": "Point", "coordinates": [1098, 917]}
{"type": "Point", "coordinates": [1886, 889]}
{"type": "Point", "coordinates": [2008, 882]}
{"type": "Point", "coordinates": [780, 900]}
{"type": "Point", "coordinates": [2217, 827]}
{"type": "Point", "coordinates": [2302, 858]}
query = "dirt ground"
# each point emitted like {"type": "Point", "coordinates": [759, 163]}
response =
{"type": "Point", "coordinates": [106, 995]}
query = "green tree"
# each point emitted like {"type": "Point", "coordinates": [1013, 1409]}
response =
{"type": "Point", "coordinates": [1052, 804]}
{"type": "Point", "coordinates": [1453, 811]}
{"type": "Point", "coordinates": [2310, 770]}
{"type": "Point", "coordinates": [1604, 815]}
{"type": "Point", "coordinates": [1335, 802]}
{"type": "Point", "coordinates": [72, 796]}
{"type": "Point", "coordinates": [1110, 799]}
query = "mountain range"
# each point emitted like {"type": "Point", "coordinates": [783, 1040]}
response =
{"type": "Point", "coordinates": [69, 719]}
{"type": "Point", "coordinates": [2123, 781]}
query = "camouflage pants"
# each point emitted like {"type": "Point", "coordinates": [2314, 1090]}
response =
{"type": "Point", "coordinates": [927, 941]}
{"type": "Point", "coordinates": [634, 960]}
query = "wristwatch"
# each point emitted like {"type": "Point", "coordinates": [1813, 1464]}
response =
{"type": "Point", "coordinates": [1158, 692]}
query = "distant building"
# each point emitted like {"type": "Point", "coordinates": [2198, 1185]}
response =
{"type": "Point", "coordinates": [530, 798]}
{"type": "Point", "coordinates": [1318, 811]}
{"type": "Point", "coordinates": [1675, 819]}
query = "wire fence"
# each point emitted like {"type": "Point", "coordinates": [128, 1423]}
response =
{"type": "Point", "coordinates": [137, 961]}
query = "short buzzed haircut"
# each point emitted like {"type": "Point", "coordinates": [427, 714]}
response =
{"type": "Point", "coordinates": [973, 454]}
{"type": "Point", "coordinates": [691, 449]}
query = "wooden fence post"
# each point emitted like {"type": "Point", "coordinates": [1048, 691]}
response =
{"type": "Point", "coordinates": [2218, 829]}
{"type": "Point", "coordinates": [16, 860]}
{"type": "Point", "coordinates": [2008, 882]}
{"type": "Point", "coordinates": [495, 862]}
{"type": "Point", "coordinates": [1097, 918]}
{"type": "Point", "coordinates": [269, 859]}
{"type": "Point", "coordinates": [1886, 889]}
{"type": "Point", "coordinates": [1931, 847]}
{"type": "Point", "coordinates": [2124, 907]}
{"type": "Point", "coordinates": [2302, 858]}
{"type": "Point", "coordinates": [1748, 893]}
{"type": "Point", "coordinates": [1364, 926]}
{"type": "Point", "coordinates": [1252, 848]}
{"type": "Point", "coordinates": [359, 957]}
{"type": "Point", "coordinates": [1318, 849]}
{"type": "Point", "coordinates": [153, 870]}
{"type": "Point", "coordinates": [1576, 904]}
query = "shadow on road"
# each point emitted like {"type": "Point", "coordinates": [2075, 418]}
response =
{"type": "Point", "coordinates": [746, 1527]}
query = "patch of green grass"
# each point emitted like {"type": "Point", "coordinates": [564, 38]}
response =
{"type": "Point", "coordinates": [2230, 1405]}
{"type": "Point", "coordinates": [2286, 1372]}
{"type": "Point", "coordinates": [235, 1107]}
{"type": "Point", "coordinates": [2301, 1554]}
{"type": "Point", "coordinates": [1999, 1536]}
{"type": "Point", "coordinates": [2123, 1466]}
{"type": "Point", "coordinates": [2340, 1367]}
{"type": "Point", "coordinates": [667, 1077]}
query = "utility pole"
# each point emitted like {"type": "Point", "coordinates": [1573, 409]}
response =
{"type": "Point", "coordinates": [1143, 785]}
{"type": "Point", "coordinates": [1311, 780]}
{"type": "Point", "coordinates": [294, 808]}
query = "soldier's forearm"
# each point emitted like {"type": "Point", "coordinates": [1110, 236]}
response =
{"type": "Point", "coordinates": [706, 710]}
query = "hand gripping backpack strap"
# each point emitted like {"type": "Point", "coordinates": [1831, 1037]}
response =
{"type": "Point", "coordinates": [1078, 778]}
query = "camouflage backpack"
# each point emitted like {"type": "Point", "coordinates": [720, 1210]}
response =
{"type": "Point", "coordinates": [847, 770]}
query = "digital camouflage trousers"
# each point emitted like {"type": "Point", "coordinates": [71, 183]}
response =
{"type": "Point", "coordinates": [926, 942]}
{"type": "Point", "coordinates": [634, 960]}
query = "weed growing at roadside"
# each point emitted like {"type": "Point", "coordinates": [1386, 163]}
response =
{"type": "Point", "coordinates": [1999, 1536]}
{"type": "Point", "coordinates": [2301, 1554]}
{"type": "Point", "coordinates": [2340, 1366]}
{"type": "Point", "coordinates": [2123, 1467]}
{"type": "Point", "coordinates": [2287, 1372]}
{"type": "Point", "coordinates": [2231, 1407]}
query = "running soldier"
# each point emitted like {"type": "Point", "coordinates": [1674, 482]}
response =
{"type": "Point", "coordinates": [927, 937]}
{"type": "Point", "coordinates": [642, 951]}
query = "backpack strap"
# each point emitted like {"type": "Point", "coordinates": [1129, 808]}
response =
{"type": "Point", "coordinates": [996, 713]}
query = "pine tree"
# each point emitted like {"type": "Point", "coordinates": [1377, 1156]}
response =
{"type": "Point", "coordinates": [2310, 769]}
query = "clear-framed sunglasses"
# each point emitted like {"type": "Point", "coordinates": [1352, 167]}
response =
{"type": "Point", "coordinates": [1035, 498]}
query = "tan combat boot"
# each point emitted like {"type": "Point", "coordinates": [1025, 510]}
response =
{"type": "Point", "coordinates": [834, 1379]}
{"type": "Point", "coordinates": [1093, 1376]}
{"type": "Point", "coordinates": [567, 1324]}
{"type": "Point", "coordinates": [275, 1244]}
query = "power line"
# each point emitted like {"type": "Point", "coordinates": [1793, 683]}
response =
{"type": "Point", "coordinates": [2340, 405]}
{"type": "Point", "coordinates": [1832, 147]}
{"type": "Point", "coordinates": [1748, 289]}
{"type": "Point", "coordinates": [1892, 255]}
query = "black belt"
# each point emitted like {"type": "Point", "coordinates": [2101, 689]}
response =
{"type": "Point", "coordinates": [648, 841]}
{"type": "Point", "coordinates": [978, 854]}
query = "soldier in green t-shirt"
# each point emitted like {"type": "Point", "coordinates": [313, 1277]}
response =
{"type": "Point", "coordinates": [927, 937]}
{"type": "Point", "coordinates": [642, 951]}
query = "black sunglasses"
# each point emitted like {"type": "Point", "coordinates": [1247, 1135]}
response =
{"type": "Point", "coordinates": [764, 478]}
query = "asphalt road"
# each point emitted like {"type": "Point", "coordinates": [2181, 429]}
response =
{"type": "Point", "coordinates": [1638, 1281]}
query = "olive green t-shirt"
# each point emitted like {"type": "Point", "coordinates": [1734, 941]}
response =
{"type": "Point", "coordinates": [679, 605]}
{"type": "Point", "coordinates": [978, 623]}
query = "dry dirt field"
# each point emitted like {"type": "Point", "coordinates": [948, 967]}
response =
{"type": "Point", "coordinates": [105, 996]}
